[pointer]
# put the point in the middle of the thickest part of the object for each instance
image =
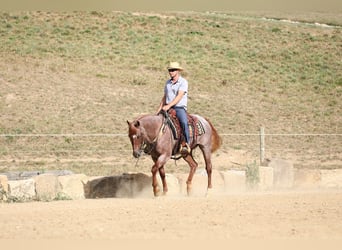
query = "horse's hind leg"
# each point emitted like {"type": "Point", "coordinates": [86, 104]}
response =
{"type": "Point", "coordinates": [193, 165]}
{"type": "Point", "coordinates": [208, 166]}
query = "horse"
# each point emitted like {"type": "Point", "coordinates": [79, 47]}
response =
{"type": "Point", "coordinates": [151, 134]}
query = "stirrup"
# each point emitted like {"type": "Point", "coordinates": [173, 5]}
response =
{"type": "Point", "coordinates": [185, 149]}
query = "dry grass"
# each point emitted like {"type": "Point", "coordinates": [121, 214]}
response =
{"type": "Point", "coordinates": [88, 72]}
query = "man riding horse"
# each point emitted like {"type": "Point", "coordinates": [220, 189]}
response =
{"type": "Point", "coordinates": [176, 97]}
{"type": "Point", "coordinates": [154, 135]}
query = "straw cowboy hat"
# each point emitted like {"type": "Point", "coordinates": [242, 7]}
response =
{"type": "Point", "coordinates": [174, 65]}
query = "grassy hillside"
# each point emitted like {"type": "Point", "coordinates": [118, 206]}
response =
{"type": "Point", "coordinates": [89, 72]}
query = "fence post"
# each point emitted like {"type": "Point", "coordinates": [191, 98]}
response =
{"type": "Point", "coordinates": [262, 145]}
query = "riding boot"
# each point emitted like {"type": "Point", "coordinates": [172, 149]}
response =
{"type": "Point", "coordinates": [185, 148]}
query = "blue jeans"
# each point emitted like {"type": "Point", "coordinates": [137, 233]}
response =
{"type": "Point", "coordinates": [183, 119]}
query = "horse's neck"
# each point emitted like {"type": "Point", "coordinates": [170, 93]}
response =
{"type": "Point", "coordinates": [152, 126]}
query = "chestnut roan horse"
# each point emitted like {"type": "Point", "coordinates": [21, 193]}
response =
{"type": "Point", "coordinates": [152, 135]}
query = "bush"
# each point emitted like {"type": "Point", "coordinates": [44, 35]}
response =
{"type": "Point", "coordinates": [252, 175]}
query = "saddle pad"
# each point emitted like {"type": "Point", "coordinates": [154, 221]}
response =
{"type": "Point", "coordinates": [195, 127]}
{"type": "Point", "coordinates": [200, 128]}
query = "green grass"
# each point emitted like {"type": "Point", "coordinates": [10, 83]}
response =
{"type": "Point", "coordinates": [89, 72]}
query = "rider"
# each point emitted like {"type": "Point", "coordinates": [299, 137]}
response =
{"type": "Point", "coordinates": [176, 97]}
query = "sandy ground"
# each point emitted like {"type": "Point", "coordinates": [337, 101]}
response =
{"type": "Point", "coordinates": [267, 215]}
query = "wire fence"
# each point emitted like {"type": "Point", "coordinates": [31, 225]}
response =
{"type": "Point", "coordinates": [305, 150]}
{"type": "Point", "coordinates": [108, 154]}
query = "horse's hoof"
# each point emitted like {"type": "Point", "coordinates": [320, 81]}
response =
{"type": "Point", "coordinates": [156, 191]}
{"type": "Point", "coordinates": [209, 192]}
{"type": "Point", "coordinates": [189, 190]}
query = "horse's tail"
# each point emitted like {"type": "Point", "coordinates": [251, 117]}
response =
{"type": "Point", "coordinates": [216, 140]}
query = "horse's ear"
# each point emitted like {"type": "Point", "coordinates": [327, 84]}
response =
{"type": "Point", "coordinates": [128, 123]}
{"type": "Point", "coordinates": [137, 124]}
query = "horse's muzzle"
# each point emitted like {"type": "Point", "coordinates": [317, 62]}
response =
{"type": "Point", "coordinates": [137, 153]}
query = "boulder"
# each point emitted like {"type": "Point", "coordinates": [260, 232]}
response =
{"type": "Point", "coordinates": [234, 180]}
{"type": "Point", "coordinates": [3, 187]}
{"type": "Point", "coordinates": [71, 186]}
{"type": "Point", "coordinates": [283, 174]}
{"type": "Point", "coordinates": [89, 186]}
{"type": "Point", "coordinates": [127, 185]}
{"type": "Point", "coordinates": [331, 178]}
{"type": "Point", "coordinates": [306, 178]}
{"type": "Point", "coordinates": [172, 184]}
{"type": "Point", "coordinates": [266, 178]}
{"type": "Point", "coordinates": [22, 190]}
{"type": "Point", "coordinates": [200, 182]}
{"type": "Point", "coordinates": [22, 175]}
{"type": "Point", "coordinates": [46, 186]}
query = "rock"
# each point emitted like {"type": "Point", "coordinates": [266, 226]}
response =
{"type": "Point", "coordinates": [307, 178]}
{"type": "Point", "coordinates": [172, 184]}
{"type": "Point", "coordinates": [266, 178]}
{"type": "Point", "coordinates": [133, 185]}
{"type": "Point", "coordinates": [234, 180]}
{"type": "Point", "coordinates": [127, 185]}
{"type": "Point", "coordinates": [4, 182]}
{"type": "Point", "coordinates": [331, 178]}
{"type": "Point", "coordinates": [21, 175]}
{"type": "Point", "coordinates": [89, 186]}
{"type": "Point", "coordinates": [283, 174]}
{"type": "Point", "coordinates": [71, 186]}
{"type": "Point", "coordinates": [200, 182]}
{"type": "Point", "coordinates": [3, 188]}
{"type": "Point", "coordinates": [46, 187]}
{"type": "Point", "coordinates": [22, 190]}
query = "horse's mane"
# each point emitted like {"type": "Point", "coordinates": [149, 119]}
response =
{"type": "Point", "coordinates": [141, 117]}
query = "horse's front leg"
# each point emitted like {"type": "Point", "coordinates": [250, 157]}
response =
{"type": "Point", "coordinates": [155, 186]}
{"type": "Point", "coordinates": [159, 166]}
{"type": "Point", "coordinates": [163, 179]}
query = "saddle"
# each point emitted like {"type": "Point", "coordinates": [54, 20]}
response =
{"type": "Point", "coordinates": [196, 128]}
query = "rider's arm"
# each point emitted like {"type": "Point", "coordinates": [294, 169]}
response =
{"type": "Point", "coordinates": [162, 103]}
{"type": "Point", "coordinates": [174, 101]}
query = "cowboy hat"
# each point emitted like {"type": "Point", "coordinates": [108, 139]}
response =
{"type": "Point", "coordinates": [174, 65]}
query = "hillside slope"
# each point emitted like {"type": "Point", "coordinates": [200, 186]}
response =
{"type": "Point", "coordinates": [89, 72]}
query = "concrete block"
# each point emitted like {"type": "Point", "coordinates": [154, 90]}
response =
{"type": "Point", "coordinates": [132, 185]}
{"type": "Point", "coordinates": [89, 185]}
{"type": "Point", "coordinates": [307, 178]}
{"type": "Point", "coordinates": [265, 178]}
{"type": "Point", "coordinates": [282, 173]}
{"type": "Point", "coordinates": [172, 184]}
{"type": "Point", "coordinates": [127, 185]}
{"type": "Point", "coordinates": [4, 182]}
{"type": "Point", "coordinates": [234, 180]}
{"type": "Point", "coordinates": [22, 175]}
{"type": "Point", "coordinates": [72, 186]}
{"type": "Point", "coordinates": [22, 189]}
{"type": "Point", "coordinates": [46, 187]}
{"type": "Point", "coordinates": [200, 182]}
{"type": "Point", "coordinates": [3, 187]}
{"type": "Point", "coordinates": [331, 178]}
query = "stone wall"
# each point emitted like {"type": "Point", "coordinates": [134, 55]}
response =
{"type": "Point", "coordinates": [56, 186]}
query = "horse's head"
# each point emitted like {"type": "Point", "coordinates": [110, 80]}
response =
{"type": "Point", "coordinates": [135, 134]}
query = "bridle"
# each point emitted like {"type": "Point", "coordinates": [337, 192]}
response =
{"type": "Point", "coordinates": [146, 146]}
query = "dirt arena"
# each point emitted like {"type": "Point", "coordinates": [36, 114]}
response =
{"type": "Point", "coordinates": [259, 215]}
